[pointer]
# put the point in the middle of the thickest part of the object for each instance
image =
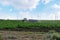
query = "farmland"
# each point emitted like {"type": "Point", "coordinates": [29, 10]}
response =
{"type": "Point", "coordinates": [29, 30]}
{"type": "Point", "coordinates": [42, 24]}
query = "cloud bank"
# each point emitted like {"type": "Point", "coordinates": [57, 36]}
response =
{"type": "Point", "coordinates": [21, 4]}
{"type": "Point", "coordinates": [56, 6]}
{"type": "Point", "coordinates": [30, 5]}
{"type": "Point", "coordinates": [46, 1]}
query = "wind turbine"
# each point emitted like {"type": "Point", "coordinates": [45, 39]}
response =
{"type": "Point", "coordinates": [56, 17]}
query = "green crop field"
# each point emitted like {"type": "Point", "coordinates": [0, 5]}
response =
{"type": "Point", "coordinates": [20, 23]}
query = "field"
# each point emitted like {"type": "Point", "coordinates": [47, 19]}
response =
{"type": "Point", "coordinates": [31, 30]}
{"type": "Point", "coordinates": [21, 35]}
{"type": "Point", "coordinates": [13, 24]}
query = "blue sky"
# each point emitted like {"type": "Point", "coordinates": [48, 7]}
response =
{"type": "Point", "coordinates": [30, 9]}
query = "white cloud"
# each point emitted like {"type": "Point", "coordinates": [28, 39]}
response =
{"type": "Point", "coordinates": [22, 15]}
{"type": "Point", "coordinates": [47, 16]}
{"type": "Point", "coordinates": [56, 6]}
{"type": "Point", "coordinates": [57, 15]}
{"type": "Point", "coordinates": [43, 16]}
{"type": "Point", "coordinates": [28, 15]}
{"type": "Point", "coordinates": [4, 2]}
{"type": "Point", "coordinates": [21, 4]}
{"type": "Point", "coordinates": [46, 1]}
{"type": "Point", "coordinates": [50, 16]}
{"type": "Point", "coordinates": [8, 17]}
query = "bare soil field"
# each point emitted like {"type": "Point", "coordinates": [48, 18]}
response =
{"type": "Point", "coordinates": [21, 35]}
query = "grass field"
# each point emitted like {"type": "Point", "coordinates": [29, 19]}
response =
{"type": "Point", "coordinates": [40, 24]}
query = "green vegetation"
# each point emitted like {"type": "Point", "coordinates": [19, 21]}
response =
{"type": "Point", "coordinates": [19, 23]}
{"type": "Point", "coordinates": [56, 36]}
{"type": "Point", "coordinates": [52, 35]}
{"type": "Point", "coordinates": [1, 38]}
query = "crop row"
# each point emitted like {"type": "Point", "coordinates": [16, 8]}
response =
{"type": "Point", "coordinates": [20, 23]}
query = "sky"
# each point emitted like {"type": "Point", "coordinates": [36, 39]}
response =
{"type": "Point", "coordinates": [30, 9]}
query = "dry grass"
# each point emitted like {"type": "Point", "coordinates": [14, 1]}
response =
{"type": "Point", "coordinates": [20, 35]}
